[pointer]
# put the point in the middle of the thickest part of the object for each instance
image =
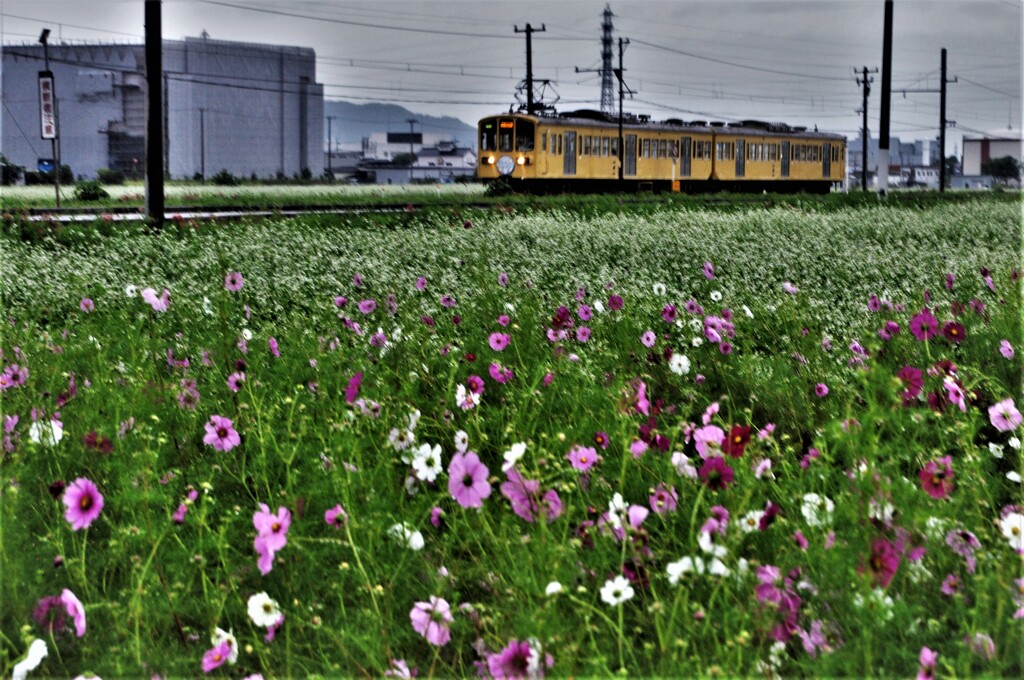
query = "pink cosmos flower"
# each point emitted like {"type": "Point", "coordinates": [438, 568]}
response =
{"type": "Point", "coordinates": [707, 438]}
{"type": "Point", "coordinates": [821, 389]}
{"type": "Point", "coordinates": [221, 434]}
{"type": "Point", "coordinates": [583, 333]}
{"type": "Point", "coordinates": [584, 312]}
{"type": "Point", "coordinates": [641, 403]}
{"type": "Point", "coordinates": [499, 341]}
{"type": "Point", "coordinates": [336, 516]}
{"type": "Point", "coordinates": [352, 391]}
{"type": "Point", "coordinates": [367, 306]}
{"type": "Point", "coordinates": [518, 660]}
{"type": "Point", "coordinates": [668, 313]}
{"type": "Point", "coordinates": [75, 610]}
{"type": "Point", "coordinates": [615, 303]}
{"type": "Point", "coordinates": [1004, 416]}
{"type": "Point", "coordinates": [159, 304]}
{"type": "Point", "coordinates": [582, 458]}
{"type": "Point", "coordinates": [475, 384]}
{"type": "Point", "coordinates": [235, 381]}
{"type": "Point", "coordinates": [271, 527]}
{"type": "Point", "coordinates": [648, 338]}
{"type": "Point", "coordinates": [234, 281]}
{"type": "Point", "coordinates": [664, 499]}
{"type": "Point", "coordinates": [84, 503]}
{"type": "Point", "coordinates": [503, 320]}
{"type": "Point", "coordinates": [467, 480]}
{"type": "Point", "coordinates": [1006, 349]}
{"type": "Point", "coordinates": [937, 477]}
{"type": "Point", "coordinates": [421, 283]}
{"type": "Point", "coordinates": [216, 657]}
{"type": "Point", "coordinates": [432, 620]}
{"type": "Point", "coordinates": [950, 585]}
{"type": "Point", "coordinates": [86, 305]}
{"type": "Point", "coordinates": [709, 271]}
{"type": "Point", "coordinates": [790, 288]}
{"type": "Point", "coordinates": [499, 373]}
{"type": "Point", "coordinates": [927, 659]}
{"type": "Point", "coordinates": [503, 279]}
{"type": "Point", "coordinates": [924, 326]}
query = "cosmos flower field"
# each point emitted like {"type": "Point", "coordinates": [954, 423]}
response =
{"type": "Point", "coordinates": [516, 443]}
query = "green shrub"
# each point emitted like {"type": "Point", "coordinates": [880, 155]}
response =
{"type": "Point", "coordinates": [90, 190]}
{"type": "Point", "coordinates": [108, 176]}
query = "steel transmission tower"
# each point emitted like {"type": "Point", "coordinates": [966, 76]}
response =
{"type": "Point", "coordinates": [607, 74]}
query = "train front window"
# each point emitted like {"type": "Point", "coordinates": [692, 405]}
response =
{"type": "Point", "coordinates": [506, 129]}
{"type": "Point", "coordinates": [488, 135]}
{"type": "Point", "coordinates": [525, 131]}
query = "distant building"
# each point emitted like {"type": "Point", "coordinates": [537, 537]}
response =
{"type": "Point", "coordinates": [971, 182]}
{"type": "Point", "coordinates": [977, 150]}
{"type": "Point", "coordinates": [918, 153]}
{"type": "Point", "coordinates": [384, 146]}
{"type": "Point", "coordinates": [443, 162]}
{"type": "Point", "coordinates": [246, 108]}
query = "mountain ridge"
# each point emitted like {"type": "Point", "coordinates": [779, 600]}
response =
{"type": "Point", "coordinates": [352, 122]}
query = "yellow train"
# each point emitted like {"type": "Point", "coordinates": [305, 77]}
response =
{"type": "Point", "coordinates": [589, 151]}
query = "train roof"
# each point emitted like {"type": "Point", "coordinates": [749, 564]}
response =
{"type": "Point", "coordinates": [592, 118]}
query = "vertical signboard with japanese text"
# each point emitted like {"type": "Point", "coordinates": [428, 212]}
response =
{"type": "Point", "coordinates": [47, 105]}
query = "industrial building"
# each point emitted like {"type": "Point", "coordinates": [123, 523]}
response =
{"type": "Point", "coordinates": [978, 150]}
{"type": "Point", "coordinates": [250, 109]}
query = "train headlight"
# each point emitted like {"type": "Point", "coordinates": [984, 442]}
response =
{"type": "Point", "coordinates": [490, 160]}
{"type": "Point", "coordinates": [521, 160]}
{"type": "Point", "coordinates": [506, 165]}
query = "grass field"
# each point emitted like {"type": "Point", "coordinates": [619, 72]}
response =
{"type": "Point", "coordinates": [658, 439]}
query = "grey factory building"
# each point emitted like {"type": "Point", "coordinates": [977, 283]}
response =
{"type": "Point", "coordinates": [246, 108]}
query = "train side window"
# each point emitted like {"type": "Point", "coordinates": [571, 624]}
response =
{"type": "Point", "coordinates": [585, 146]}
{"type": "Point", "coordinates": [605, 145]}
{"type": "Point", "coordinates": [543, 141]}
{"type": "Point", "coordinates": [615, 146]}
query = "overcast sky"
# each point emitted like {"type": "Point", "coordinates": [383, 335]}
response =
{"type": "Point", "coordinates": [780, 60]}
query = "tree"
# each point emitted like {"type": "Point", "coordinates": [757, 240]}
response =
{"type": "Point", "coordinates": [404, 160]}
{"type": "Point", "coordinates": [9, 172]}
{"type": "Point", "coordinates": [952, 166]}
{"type": "Point", "coordinates": [1003, 169]}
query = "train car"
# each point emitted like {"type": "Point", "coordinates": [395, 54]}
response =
{"type": "Point", "coordinates": [580, 151]}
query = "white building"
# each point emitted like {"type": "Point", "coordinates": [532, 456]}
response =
{"type": "Point", "coordinates": [977, 150]}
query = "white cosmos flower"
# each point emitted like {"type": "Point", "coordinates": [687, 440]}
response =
{"type": "Point", "coordinates": [716, 296]}
{"type": "Point", "coordinates": [404, 533]}
{"type": "Point", "coordinates": [36, 653]}
{"type": "Point", "coordinates": [746, 310]}
{"type": "Point", "coordinates": [659, 289]}
{"type": "Point", "coordinates": [513, 455]}
{"type": "Point", "coordinates": [554, 588]}
{"type": "Point", "coordinates": [207, 306]}
{"type": "Point", "coordinates": [247, 334]}
{"type": "Point", "coordinates": [1013, 476]}
{"type": "Point", "coordinates": [687, 565]}
{"type": "Point", "coordinates": [995, 449]}
{"type": "Point", "coordinates": [679, 364]}
{"type": "Point", "coordinates": [46, 432]}
{"type": "Point", "coordinates": [697, 342]}
{"type": "Point", "coordinates": [817, 510]}
{"type": "Point", "coordinates": [683, 466]}
{"type": "Point", "coordinates": [461, 441]}
{"type": "Point", "coordinates": [1012, 527]}
{"type": "Point", "coordinates": [751, 521]}
{"type": "Point", "coordinates": [696, 325]}
{"type": "Point", "coordinates": [878, 600]}
{"type": "Point", "coordinates": [263, 610]}
{"type": "Point", "coordinates": [708, 545]}
{"type": "Point", "coordinates": [401, 439]}
{"type": "Point", "coordinates": [1014, 443]}
{"type": "Point", "coordinates": [616, 509]}
{"type": "Point", "coordinates": [131, 290]}
{"type": "Point", "coordinates": [414, 419]}
{"type": "Point", "coordinates": [598, 306]}
{"type": "Point", "coordinates": [221, 636]}
{"type": "Point", "coordinates": [616, 591]}
{"type": "Point", "coordinates": [427, 462]}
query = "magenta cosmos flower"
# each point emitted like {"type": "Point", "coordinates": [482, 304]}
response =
{"type": "Point", "coordinates": [87, 305]}
{"type": "Point", "coordinates": [271, 527]}
{"type": "Point", "coordinates": [885, 560]}
{"type": "Point", "coordinates": [221, 434]}
{"type": "Point", "coordinates": [924, 326]}
{"type": "Point", "coordinates": [709, 271]}
{"type": "Point", "coordinates": [367, 306]}
{"type": "Point", "coordinates": [937, 477]}
{"type": "Point", "coordinates": [518, 660]}
{"type": "Point", "coordinates": [216, 657]}
{"type": "Point", "coordinates": [336, 516]}
{"type": "Point", "coordinates": [234, 281]}
{"type": "Point", "coordinates": [432, 620]}
{"type": "Point", "coordinates": [716, 473]}
{"type": "Point", "coordinates": [467, 480]}
{"type": "Point", "coordinates": [1004, 416]}
{"type": "Point", "coordinates": [648, 338]}
{"type": "Point", "coordinates": [499, 341]}
{"type": "Point", "coordinates": [84, 502]}
{"type": "Point", "coordinates": [821, 389]}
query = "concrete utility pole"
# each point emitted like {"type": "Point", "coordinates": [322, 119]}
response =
{"type": "Point", "coordinates": [154, 115]}
{"type": "Point", "coordinates": [883, 127]}
{"type": "Point", "coordinates": [943, 123]}
{"type": "Point", "coordinates": [412, 154]}
{"type": "Point", "coordinates": [529, 31]}
{"type": "Point", "coordinates": [865, 81]}
{"type": "Point", "coordinates": [54, 149]}
{"type": "Point", "coordinates": [330, 151]}
{"type": "Point", "coordinates": [202, 145]}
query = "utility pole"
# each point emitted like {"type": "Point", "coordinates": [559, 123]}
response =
{"type": "Point", "coordinates": [865, 81]}
{"type": "Point", "coordinates": [529, 31]}
{"type": "Point", "coordinates": [883, 127]}
{"type": "Point", "coordinates": [943, 123]}
{"type": "Point", "coordinates": [154, 115]}
{"type": "Point", "coordinates": [202, 145]}
{"type": "Point", "coordinates": [330, 151]}
{"type": "Point", "coordinates": [607, 97]}
{"type": "Point", "coordinates": [412, 154]}
{"type": "Point", "coordinates": [622, 87]}
{"type": "Point", "coordinates": [49, 98]}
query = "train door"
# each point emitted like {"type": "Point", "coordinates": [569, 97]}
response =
{"type": "Point", "coordinates": [826, 161]}
{"type": "Point", "coordinates": [684, 157]}
{"type": "Point", "coordinates": [629, 160]}
{"type": "Point", "coordinates": [741, 158]}
{"type": "Point", "coordinates": [569, 163]}
{"type": "Point", "coordinates": [785, 159]}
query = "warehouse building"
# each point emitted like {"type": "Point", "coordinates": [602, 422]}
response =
{"type": "Point", "coordinates": [250, 109]}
